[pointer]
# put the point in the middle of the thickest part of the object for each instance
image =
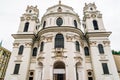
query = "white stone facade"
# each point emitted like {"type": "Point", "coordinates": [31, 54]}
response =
{"type": "Point", "coordinates": [57, 49]}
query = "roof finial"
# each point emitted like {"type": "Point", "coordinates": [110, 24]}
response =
{"type": "Point", "coordinates": [59, 1]}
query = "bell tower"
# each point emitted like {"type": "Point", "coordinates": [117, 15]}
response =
{"type": "Point", "coordinates": [23, 46]}
{"type": "Point", "coordinates": [29, 21]}
{"type": "Point", "coordinates": [99, 44]}
{"type": "Point", "coordinates": [92, 20]}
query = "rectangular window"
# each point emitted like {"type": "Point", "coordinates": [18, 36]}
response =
{"type": "Point", "coordinates": [105, 68]}
{"type": "Point", "coordinates": [30, 78]}
{"type": "Point", "coordinates": [90, 78]}
{"type": "Point", "coordinates": [16, 70]}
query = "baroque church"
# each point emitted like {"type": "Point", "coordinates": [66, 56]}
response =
{"type": "Point", "coordinates": [56, 48]}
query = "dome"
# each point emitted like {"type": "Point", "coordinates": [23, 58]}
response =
{"type": "Point", "coordinates": [60, 15]}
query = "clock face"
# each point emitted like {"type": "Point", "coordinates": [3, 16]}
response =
{"type": "Point", "coordinates": [59, 21]}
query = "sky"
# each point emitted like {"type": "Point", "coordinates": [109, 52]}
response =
{"type": "Point", "coordinates": [12, 10]}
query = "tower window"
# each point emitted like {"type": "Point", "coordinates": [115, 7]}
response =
{"type": "Point", "coordinates": [42, 46]}
{"type": "Point", "coordinates": [16, 70]}
{"type": "Point", "coordinates": [34, 51]}
{"type": "Point", "coordinates": [21, 48]}
{"type": "Point", "coordinates": [26, 26]}
{"type": "Point", "coordinates": [105, 68]}
{"type": "Point", "coordinates": [100, 48]}
{"type": "Point", "coordinates": [30, 11]}
{"type": "Point", "coordinates": [75, 23]}
{"type": "Point", "coordinates": [59, 41]}
{"type": "Point", "coordinates": [59, 21]}
{"type": "Point", "coordinates": [44, 24]}
{"type": "Point", "coordinates": [86, 50]}
{"type": "Point", "coordinates": [77, 46]}
{"type": "Point", "coordinates": [95, 24]}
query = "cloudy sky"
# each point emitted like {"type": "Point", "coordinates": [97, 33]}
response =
{"type": "Point", "coordinates": [12, 10]}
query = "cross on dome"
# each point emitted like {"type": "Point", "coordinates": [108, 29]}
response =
{"type": "Point", "coordinates": [59, 1]}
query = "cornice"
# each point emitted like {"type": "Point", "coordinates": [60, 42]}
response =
{"type": "Point", "coordinates": [20, 36]}
{"type": "Point", "coordinates": [56, 13]}
{"type": "Point", "coordinates": [59, 13]}
{"type": "Point", "coordinates": [98, 34]}
{"type": "Point", "coordinates": [61, 29]}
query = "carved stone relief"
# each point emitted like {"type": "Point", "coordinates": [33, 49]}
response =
{"type": "Point", "coordinates": [22, 19]}
{"type": "Point", "coordinates": [28, 44]}
{"type": "Point", "coordinates": [106, 43]}
{"type": "Point", "coordinates": [92, 43]}
{"type": "Point", "coordinates": [59, 53]}
{"type": "Point", "coordinates": [16, 44]}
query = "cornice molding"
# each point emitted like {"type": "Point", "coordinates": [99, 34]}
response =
{"type": "Point", "coordinates": [61, 29]}
{"type": "Point", "coordinates": [98, 34]}
{"type": "Point", "coordinates": [20, 36]}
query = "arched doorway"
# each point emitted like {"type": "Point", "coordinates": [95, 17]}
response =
{"type": "Point", "coordinates": [59, 71]}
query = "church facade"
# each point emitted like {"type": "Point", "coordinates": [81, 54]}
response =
{"type": "Point", "coordinates": [55, 47]}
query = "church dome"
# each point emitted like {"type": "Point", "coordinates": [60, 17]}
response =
{"type": "Point", "coordinates": [60, 15]}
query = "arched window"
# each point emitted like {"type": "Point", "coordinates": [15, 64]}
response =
{"type": "Point", "coordinates": [59, 41]}
{"type": "Point", "coordinates": [20, 50]}
{"type": "Point", "coordinates": [100, 48]}
{"type": "Point", "coordinates": [34, 51]}
{"type": "Point", "coordinates": [26, 26]}
{"type": "Point", "coordinates": [75, 23]}
{"type": "Point", "coordinates": [95, 24]}
{"type": "Point", "coordinates": [44, 24]}
{"type": "Point", "coordinates": [42, 46]}
{"type": "Point", "coordinates": [77, 46]}
{"type": "Point", "coordinates": [86, 50]}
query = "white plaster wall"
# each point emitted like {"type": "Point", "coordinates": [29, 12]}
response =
{"type": "Point", "coordinates": [97, 60]}
{"type": "Point", "coordinates": [24, 63]}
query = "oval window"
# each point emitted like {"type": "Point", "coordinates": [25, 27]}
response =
{"type": "Point", "coordinates": [59, 21]}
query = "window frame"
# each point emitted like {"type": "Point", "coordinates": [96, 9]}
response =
{"type": "Point", "coordinates": [59, 41]}
{"type": "Point", "coordinates": [26, 27]}
{"type": "Point", "coordinates": [86, 51]}
{"type": "Point", "coordinates": [75, 24]}
{"type": "Point", "coordinates": [44, 24]}
{"type": "Point", "coordinates": [41, 46]}
{"type": "Point", "coordinates": [16, 69]}
{"type": "Point", "coordinates": [21, 49]}
{"type": "Point", "coordinates": [101, 48]}
{"type": "Point", "coordinates": [34, 52]}
{"type": "Point", "coordinates": [95, 25]}
{"type": "Point", "coordinates": [77, 45]}
{"type": "Point", "coordinates": [105, 68]}
{"type": "Point", "coordinates": [59, 21]}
